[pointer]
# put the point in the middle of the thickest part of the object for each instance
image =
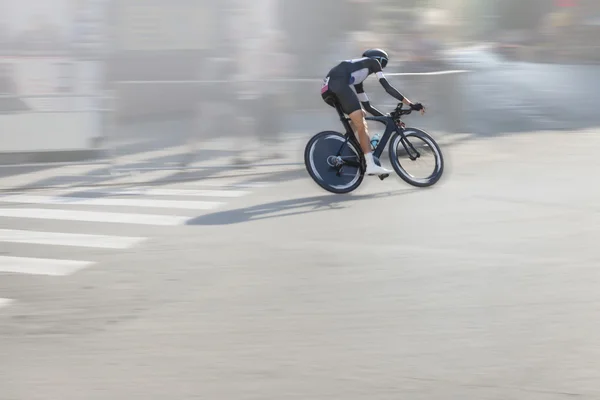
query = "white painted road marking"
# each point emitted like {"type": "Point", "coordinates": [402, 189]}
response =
{"type": "Point", "coordinates": [92, 216]}
{"type": "Point", "coordinates": [69, 239]}
{"type": "Point", "coordinates": [172, 204]}
{"type": "Point", "coordinates": [220, 183]}
{"type": "Point", "coordinates": [5, 302]}
{"type": "Point", "coordinates": [149, 155]}
{"type": "Point", "coordinates": [137, 191]}
{"type": "Point", "coordinates": [41, 266]}
{"type": "Point", "coordinates": [287, 80]}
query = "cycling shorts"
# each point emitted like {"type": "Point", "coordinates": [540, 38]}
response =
{"type": "Point", "coordinates": [337, 88]}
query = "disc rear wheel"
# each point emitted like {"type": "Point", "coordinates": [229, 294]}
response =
{"type": "Point", "coordinates": [326, 158]}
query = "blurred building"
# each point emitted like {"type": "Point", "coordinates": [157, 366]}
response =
{"type": "Point", "coordinates": [530, 29]}
{"type": "Point", "coordinates": [154, 41]}
{"type": "Point", "coordinates": [485, 18]}
{"type": "Point", "coordinates": [159, 41]}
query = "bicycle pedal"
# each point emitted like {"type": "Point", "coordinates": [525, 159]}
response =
{"type": "Point", "coordinates": [382, 177]}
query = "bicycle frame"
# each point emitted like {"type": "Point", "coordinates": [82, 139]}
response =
{"type": "Point", "coordinates": [390, 127]}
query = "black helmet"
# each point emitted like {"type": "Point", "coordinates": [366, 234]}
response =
{"type": "Point", "coordinates": [379, 55]}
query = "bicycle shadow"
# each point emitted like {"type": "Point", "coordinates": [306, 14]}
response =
{"type": "Point", "coordinates": [288, 208]}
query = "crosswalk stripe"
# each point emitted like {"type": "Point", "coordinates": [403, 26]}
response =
{"type": "Point", "coordinates": [148, 155]}
{"type": "Point", "coordinates": [171, 192]}
{"type": "Point", "coordinates": [133, 177]}
{"type": "Point", "coordinates": [171, 204]}
{"type": "Point", "coordinates": [5, 302]}
{"type": "Point", "coordinates": [93, 216]}
{"type": "Point", "coordinates": [68, 239]}
{"type": "Point", "coordinates": [41, 266]}
{"type": "Point", "coordinates": [222, 184]}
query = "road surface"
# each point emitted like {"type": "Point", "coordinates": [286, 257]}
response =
{"type": "Point", "coordinates": [261, 286]}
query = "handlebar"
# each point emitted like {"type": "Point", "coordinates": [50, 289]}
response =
{"type": "Point", "coordinates": [396, 114]}
{"type": "Point", "coordinates": [398, 111]}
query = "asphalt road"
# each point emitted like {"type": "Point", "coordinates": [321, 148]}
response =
{"type": "Point", "coordinates": [483, 287]}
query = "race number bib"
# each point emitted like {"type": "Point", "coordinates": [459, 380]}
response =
{"type": "Point", "coordinates": [325, 85]}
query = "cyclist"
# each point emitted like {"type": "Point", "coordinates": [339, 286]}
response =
{"type": "Point", "coordinates": [344, 83]}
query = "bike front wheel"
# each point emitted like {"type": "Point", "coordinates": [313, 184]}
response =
{"type": "Point", "coordinates": [416, 153]}
{"type": "Point", "coordinates": [333, 162]}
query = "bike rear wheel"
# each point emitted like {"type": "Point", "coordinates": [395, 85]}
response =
{"type": "Point", "coordinates": [326, 156]}
{"type": "Point", "coordinates": [425, 146]}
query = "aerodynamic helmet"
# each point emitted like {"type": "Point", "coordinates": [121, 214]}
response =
{"type": "Point", "coordinates": [379, 55]}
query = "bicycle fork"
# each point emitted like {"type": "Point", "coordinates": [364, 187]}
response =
{"type": "Point", "coordinates": [404, 141]}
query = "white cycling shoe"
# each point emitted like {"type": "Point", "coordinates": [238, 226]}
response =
{"type": "Point", "coordinates": [374, 169]}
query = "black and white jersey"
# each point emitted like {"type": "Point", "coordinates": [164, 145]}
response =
{"type": "Point", "coordinates": [357, 70]}
{"type": "Point", "coordinates": [345, 82]}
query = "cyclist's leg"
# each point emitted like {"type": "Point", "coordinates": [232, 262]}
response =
{"type": "Point", "coordinates": [359, 124]}
{"type": "Point", "coordinates": [351, 106]}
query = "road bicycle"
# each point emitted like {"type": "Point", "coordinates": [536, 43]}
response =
{"type": "Point", "coordinates": [336, 162]}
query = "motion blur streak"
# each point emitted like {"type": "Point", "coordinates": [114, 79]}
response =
{"type": "Point", "coordinates": [162, 239]}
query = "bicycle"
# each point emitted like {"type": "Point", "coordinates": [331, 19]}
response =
{"type": "Point", "coordinates": [336, 161]}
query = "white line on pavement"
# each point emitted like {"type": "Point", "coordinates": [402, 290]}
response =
{"type": "Point", "coordinates": [83, 201]}
{"type": "Point", "coordinates": [187, 82]}
{"type": "Point", "coordinates": [139, 191]}
{"type": "Point", "coordinates": [5, 302]}
{"type": "Point", "coordinates": [222, 183]}
{"type": "Point", "coordinates": [68, 239]}
{"type": "Point", "coordinates": [148, 155]}
{"type": "Point", "coordinates": [41, 266]}
{"type": "Point", "coordinates": [92, 216]}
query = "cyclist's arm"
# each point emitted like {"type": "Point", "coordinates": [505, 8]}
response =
{"type": "Point", "coordinates": [387, 86]}
{"type": "Point", "coordinates": [364, 100]}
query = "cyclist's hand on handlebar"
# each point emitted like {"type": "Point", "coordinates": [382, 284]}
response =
{"type": "Point", "coordinates": [418, 107]}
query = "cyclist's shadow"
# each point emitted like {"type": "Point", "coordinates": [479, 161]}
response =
{"type": "Point", "coordinates": [287, 208]}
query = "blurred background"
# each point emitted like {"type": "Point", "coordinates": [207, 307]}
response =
{"type": "Point", "coordinates": [160, 237]}
{"type": "Point", "coordinates": [110, 74]}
